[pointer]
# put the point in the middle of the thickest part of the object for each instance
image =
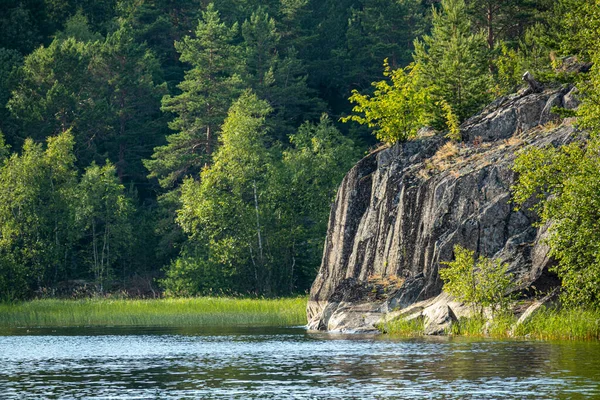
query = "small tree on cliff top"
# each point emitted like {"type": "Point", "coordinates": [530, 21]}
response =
{"type": "Point", "coordinates": [396, 110]}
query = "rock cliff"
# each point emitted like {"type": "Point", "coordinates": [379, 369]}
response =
{"type": "Point", "coordinates": [400, 211]}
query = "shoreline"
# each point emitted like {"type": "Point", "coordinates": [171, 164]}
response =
{"type": "Point", "coordinates": [184, 312]}
{"type": "Point", "coordinates": [547, 324]}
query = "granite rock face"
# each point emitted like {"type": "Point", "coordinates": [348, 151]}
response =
{"type": "Point", "coordinates": [400, 211]}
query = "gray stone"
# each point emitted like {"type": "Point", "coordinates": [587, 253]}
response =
{"type": "Point", "coordinates": [398, 214]}
{"type": "Point", "coordinates": [536, 306]}
{"type": "Point", "coordinates": [571, 100]}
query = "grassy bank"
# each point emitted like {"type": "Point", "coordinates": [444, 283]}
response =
{"type": "Point", "coordinates": [206, 311]}
{"type": "Point", "coordinates": [547, 324]}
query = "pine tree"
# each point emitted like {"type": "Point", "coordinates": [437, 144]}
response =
{"type": "Point", "coordinates": [277, 77]}
{"type": "Point", "coordinates": [505, 20]}
{"type": "Point", "coordinates": [206, 93]}
{"type": "Point", "coordinates": [54, 93]}
{"type": "Point", "coordinates": [378, 30]}
{"type": "Point", "coordinates": [454, 63]}
{"type": "Point", "coordinates": [127, 76]}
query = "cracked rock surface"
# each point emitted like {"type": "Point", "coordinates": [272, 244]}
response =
{"type": "Point", "coordinates": [400, 211]}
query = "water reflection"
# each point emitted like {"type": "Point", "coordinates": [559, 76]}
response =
{"type": "Point", "coordinates": [287, 363]}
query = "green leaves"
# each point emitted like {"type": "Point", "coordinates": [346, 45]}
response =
{"type": "Point", "coordinates": [454, 64]}
{"type": "Point", "coordinates": [257, 216]}
{"type": "Point", "coordinates": [482, 282]}
{"type": "Point", "coordinates": [35, 218]}
{"type": "Point", "coordinates": [102, 217]}
{"type": "Point", "coordinates": [206, 94]}
{"type": "Point", "coordinates": [397, 110]}
{"type": "Point", "coordinates": [565, 184]}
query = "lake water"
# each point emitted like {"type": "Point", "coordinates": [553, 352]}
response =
{"type": "Point", "coordinates": [244, 363]}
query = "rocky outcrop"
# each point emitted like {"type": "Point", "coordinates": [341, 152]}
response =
{"type": "Point", "coordinates": [400, 211]}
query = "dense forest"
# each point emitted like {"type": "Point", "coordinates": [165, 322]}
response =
{"type": "Point", "coordinates": [184, 147]}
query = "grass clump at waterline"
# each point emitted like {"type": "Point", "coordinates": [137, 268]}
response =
{"type": "Point", "coordinates": [189, 312]}
{"type": "Point", "coordinates": [563, 324]}
{"type": "Point", "coordinates": [546, 324]}
{"type": "Point", "coordinates": [403, 327]}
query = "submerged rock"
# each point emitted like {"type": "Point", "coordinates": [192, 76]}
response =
{"type": "Point", "coordinates": [400, 211]}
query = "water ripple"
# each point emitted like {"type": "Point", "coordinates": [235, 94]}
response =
{"type": "Point", "coordinates": [289, 363]}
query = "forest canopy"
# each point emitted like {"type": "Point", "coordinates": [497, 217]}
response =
{"type": "Point", "coordinates": [191, 148]}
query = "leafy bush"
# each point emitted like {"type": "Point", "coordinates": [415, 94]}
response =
{"type": "Point", "coordinates": [481, 283]}
{"type": "Point", "coordinates": [396, 110]}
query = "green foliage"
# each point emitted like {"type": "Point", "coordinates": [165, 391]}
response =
{"type": "Point", "coordinates": [452, 122]}
{"type": "Point", "coordinates": [192, 312]}
{"type": "Point", "coordinates": [531, 54]}
{"type": "Point", "coordinates": [225, 209]}
{"type": "Point", "coordinates": [245, 233]}
{"type": "Point", "coordinates": [402, 327]}
{"type": "Point", "coordinates": [377, 30]}
{"type": "Point", "coordinates": [561, 324]}
{"type": "Point", "coordinates": [4, 149]}
{"type": "Point", "coordinates": [106, 93]}
{"type": "Point", "coordinates": [276, 75]}
{"type": "Point", "coordinates": [18, 28]}
{"type": "Point", "coordinates": [35, 220]}
{"type": "Point", "coordinates": [102, 217]}
{"type": "Point", "coordinates": [206, 94]}
{"type": "Point", "coordinates": [506, 20]}
{"type": "Point", "coordinates": [576, 27]}
{"type": "Point", "coordinates": [78, 27]}
{"type": "Point", "coordinates": [309, 173]}
{"type": "Point", "coordinates": [10, 61]}
{"type": "Point", "coordinates": [454, 63]}
{"type": "Point", "coordinates": [501, 326]}
{"type": "Point", "coordinates": [481, 283]}
{"type": "Point", "coordinates": [589, 110]}
{"type": "Point", "coordinates": [53, 94]}
{"type": "Point", "coordinates": [397, 110]}
{"type": "Point", "coordinates": [565, 182]}
{"type": "Point", "coordinates": [131, 95]}
{"type": "Point", "coordinates": [101, 70]}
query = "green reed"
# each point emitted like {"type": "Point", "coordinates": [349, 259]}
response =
{"type": "Point", "coordinates": [570, 324]}
{"type": "Point", "coordinates": [204, 311]}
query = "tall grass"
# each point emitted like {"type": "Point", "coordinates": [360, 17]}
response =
{"type": "Point", "coordinates": [501, 326]}
{"type": "Point", "coordinates": [205, 311]}
{"type": "Point", "coordinates": [573, 324]}
{"type": "Point", "coordinates": [403, 327]}
{"type": "Point", "coordinates": [546, 324]}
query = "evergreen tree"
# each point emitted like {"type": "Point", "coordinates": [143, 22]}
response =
{"type": "Point", "coordinates": [454, 63]}
{"type": "Point", "coordinates": [78, 27]}
{"type": "Point", "coordinates": [575, 27]}
{"type": "Point", "coordinates": [19, 26]}
{"type": "Point", "coordinates": [279, 79]}
{"type": "Point", "coordinates": [4, 149]}
{"type": "Point", "coordinates": [206, 93]}
{"type": "Point", "coordinates": [10, 61]}
{"type": "Point", "coordinates": [381, 29]}
{"type": "Point", "coordinates": [127, 74]}
{"type": "Point", "coordinates": [505, 20]}
{"type": "Point", "coordinates": [105, 92]}
{"type": "Point", "coordinates": [159, 24]}
{"type": "Point", "coordinates": [55, 93]}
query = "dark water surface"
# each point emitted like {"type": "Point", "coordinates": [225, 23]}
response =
{"type": "Point", "coordinates": [262, 363]}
